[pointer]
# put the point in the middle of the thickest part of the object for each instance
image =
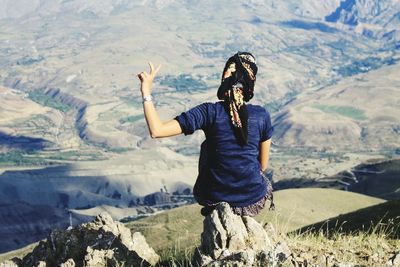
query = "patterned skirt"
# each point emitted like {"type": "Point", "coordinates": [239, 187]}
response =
{"type": "Point", "coordinates": [251, 210]}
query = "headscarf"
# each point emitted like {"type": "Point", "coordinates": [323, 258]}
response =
{"type": "Point", "coordinates": [237, 89]}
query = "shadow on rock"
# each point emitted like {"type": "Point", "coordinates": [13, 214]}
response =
{"type": "Point", "coordinates": [24, 143]}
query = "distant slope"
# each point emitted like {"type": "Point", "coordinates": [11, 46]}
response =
{"type": "Point", "coordinates": [181, 227]}
{"type": "Point", "coordinates": [381, 217]}
{"type": "Point", "coordinates": [379, 179]}
{"type": "Point", "coordinates": [360, 113]}
{"type": "Point", "coordinates": [27, 128]}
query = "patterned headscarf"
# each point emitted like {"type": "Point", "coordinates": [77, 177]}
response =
{"type": "Point", "coordinates": [237, 89]}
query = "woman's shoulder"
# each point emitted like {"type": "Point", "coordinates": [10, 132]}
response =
{"type": "Point", "coordinates": [257, 108]}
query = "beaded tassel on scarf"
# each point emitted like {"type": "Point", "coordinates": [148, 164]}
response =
{"type": "Point", "coordinates": [238, 113]}
{"type": "Point", "coordinates": [236, 102]}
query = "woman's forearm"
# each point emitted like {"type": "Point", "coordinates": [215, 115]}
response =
{"type": "Point", "coordinates": [157, 127]}
{"type": "Point", "coordinates": [153, 120]}
{"type": "Point", "coordinates": [264, 154]}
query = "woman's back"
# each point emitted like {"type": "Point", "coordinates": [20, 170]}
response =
{"type": "Point", "coordinates": [228, 171]}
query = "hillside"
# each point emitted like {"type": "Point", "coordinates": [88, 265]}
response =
{"type": "Point", "coordinates": [297, 50]}
{"type": "Point", "coordinates": [383, 217]}
{"type": "Point", "coordinates": [377, 179]}
{"type": "Point", "coordinates": [83, 74]}
{"type": "Point", "coordinates": [82, 188]}
{"type": "Point", "coordinates": [347, 116]}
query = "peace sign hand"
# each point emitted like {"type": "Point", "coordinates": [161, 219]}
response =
{"type": "Point", "coordinates": [146, 79]}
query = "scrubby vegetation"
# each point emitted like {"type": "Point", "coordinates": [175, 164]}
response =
{"type": "Point", "coordinates": [74, 155]}
{"type": "Point", "coordinates": [361, 248]}
{"type": "Point", "coordinates": [19, 158]}
{"type": "Point", "coordinates": [364, 65]}
{"type": "Point", "coordinates": [45, 100]}
{"type": "Point", "coordinates": [29, 60]}
{"type": "Point", "coordinates": [131, 119]}
{"type": "Point", "coordinates": [183, 82]}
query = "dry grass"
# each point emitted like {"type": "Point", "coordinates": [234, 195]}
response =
{"type": "Point", "coordinates": [372, 247]}
{"type": "Point", "coordinates": [364, 248]}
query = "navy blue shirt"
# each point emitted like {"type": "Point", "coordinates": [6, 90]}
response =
{"type": "Point", "coordinates": [228, 171]}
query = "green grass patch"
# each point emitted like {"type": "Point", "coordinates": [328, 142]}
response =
{"type": "Point", "coordinates": [183, 82]}
{"type": "Point", "coordinates": [19, 158]}
{"type": "Point", "coordinates": [27, 61]}
{"type": "Point", "coordinates": [132, 101]}
{"type": "Point", "coordinates": [346, 111]}
{"type": "Point", "coordinates": [118, 149]}
{"type": "Point", "coordinates": [75, 155]}
{"type": "Point", "coordinates": [131, 119]}
{"type": "Point", "coordinates": [45, 100]}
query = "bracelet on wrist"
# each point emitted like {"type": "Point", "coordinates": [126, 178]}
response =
{"type": "Point", "coordinates": [147, 98]}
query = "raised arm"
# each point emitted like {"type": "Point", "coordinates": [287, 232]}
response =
{"type": "Point", "coordinates": [157, 128]}
{"type": "Point", "coordinates": [264, 154]}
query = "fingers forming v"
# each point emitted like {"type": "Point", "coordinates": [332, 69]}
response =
{"type": "Point", "coordinates": [151, 67]}
{"type": "Point", "coordinates": [152, 70]}
{"type": "Point", "coordinates": [157, 69]}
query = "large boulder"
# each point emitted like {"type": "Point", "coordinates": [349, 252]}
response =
{"type": "Point", "coordinates": [232, 240]}
{"type": "Point", "coordinates": [102, 242]}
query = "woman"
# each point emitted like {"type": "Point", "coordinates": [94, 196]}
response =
{"type": "Point", "coordinates": [238, 138]}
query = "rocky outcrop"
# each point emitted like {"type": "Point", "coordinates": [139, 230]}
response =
{"type": "Point", "coordinates": [372, 17]}
{"type": "Point", "coordinates": [102, 242]}
{"type": "Point", "coordinates": [232, 240]}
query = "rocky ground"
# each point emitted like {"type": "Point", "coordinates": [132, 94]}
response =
{"type": "Point", "coordinates": [226, 240]}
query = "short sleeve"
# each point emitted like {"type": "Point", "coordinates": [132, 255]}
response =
{"type": "Point", "coordinates": [267, 129]}
{"type": "Point", "coordinates": [196, 118]}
